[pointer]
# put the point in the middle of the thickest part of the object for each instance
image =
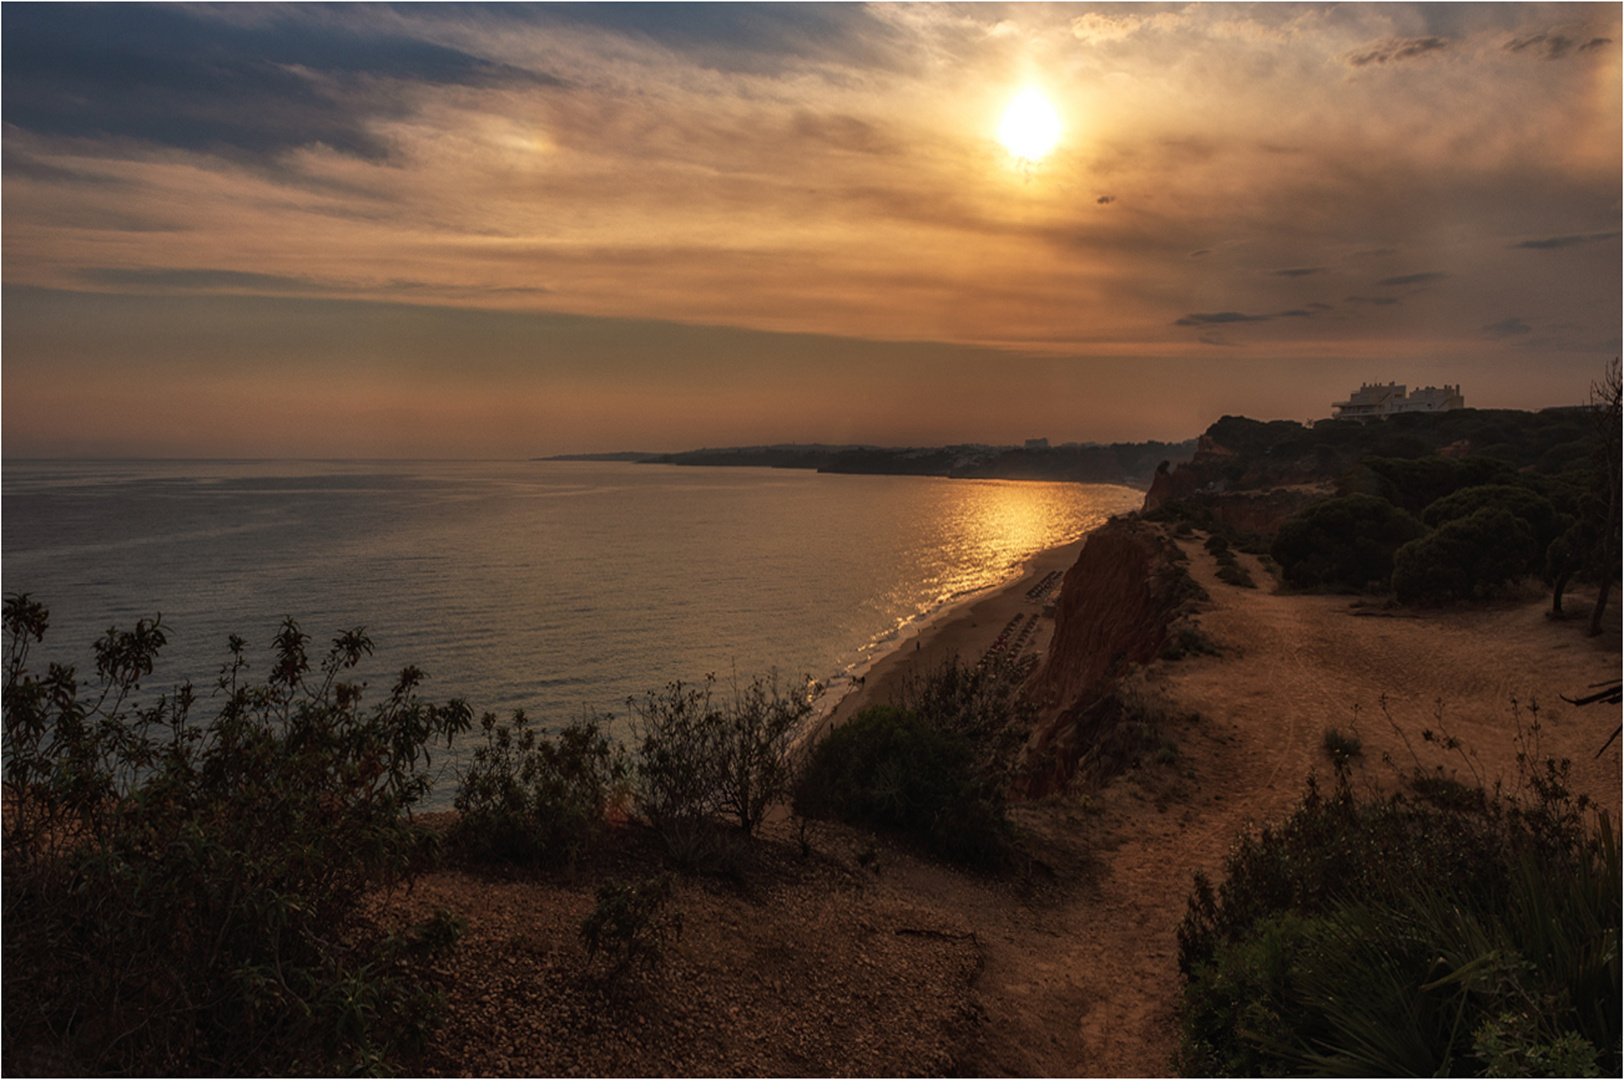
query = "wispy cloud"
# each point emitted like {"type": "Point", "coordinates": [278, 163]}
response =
{"type": "Point", "coordinates": [1506, 328]}
{"type": "Point", "coordinates": [1424, 278]}
{"type": "Point", "coordinates": [1398, 49]}
{"type": "Point", "coordinates": [1573, 240]}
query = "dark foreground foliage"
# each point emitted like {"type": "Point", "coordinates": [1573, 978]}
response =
{"type": "Point", "coordinates": [533, 799]}
{"type": "Point", "coordinates": [1445, 931]}
{"type": "Point", "coordinates": [933, 769]}
{"type": "Point", "coordinates": [182, 895]}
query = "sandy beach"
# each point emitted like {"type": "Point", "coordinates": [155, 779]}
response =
{"type": "Point", "coordinates": [965, 630]}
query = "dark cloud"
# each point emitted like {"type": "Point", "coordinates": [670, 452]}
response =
{"type": "Point", "coordinates": [177, 76]}
{"type": "Point", "coordinates": [1505, 328]}
{"type": "Point", "coordinates": [1219, 317]}
{"type": "Point", "coordinates": [1595, 43]}
{"type": "Point", "coordinates": [1317, 306]}
{"type": "Point", "coordinates": [1298, 271]}
{"type": "Point", "coordinates": [1214, 339]}
{"type": "Point", "coordinates": [1105, 200]}
{"type": "Point", "coordinates": [738, 38]}
{"type": "Point", "coordinates": [1550, 46]}
{"type": "Point", "coordinates": [1398, 49]}
{"type": "Point", "coordinates": [199, 279]}
{"type": "Point", "coordinates": [1566, 241]}
{"type": "Point", "coordinates": [1374, 301]}
{"type": "Point", "coordinates": [1200, 251]}
{"type": "Point", "coordinates": [1414, 279]}
{"type": "Point", "coordinates": [24, 166]}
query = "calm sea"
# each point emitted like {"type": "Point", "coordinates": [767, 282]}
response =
{"type": "Point", "coordinates": [558, 587]}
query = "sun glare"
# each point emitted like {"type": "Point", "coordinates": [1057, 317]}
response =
{"type": "Point", "coordinates": [1031, 127]}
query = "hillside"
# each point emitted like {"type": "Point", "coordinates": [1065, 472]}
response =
{"type": "Point", "coordinates": [859, 958]}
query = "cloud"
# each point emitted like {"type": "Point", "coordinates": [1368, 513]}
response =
{"type": "Point", "coordinates": [1315, 305]}
{"type": "Point", "coordinates": [1214, 339]}
{"type": "Point", "coordinates": [1505, 328]}
{"type": "Point", "coordinates": [735, 38]}
{"type": "Point", "coordinates": [1199, 252]}
{"type": "Point", "coordinates": [1095, 28]}
{"type": "Point", "coordinates": [177, 77]}
{"type": "Point", "coordinates": [1105, 200]}
{"type": "Point", "coordinates": [1298, 271]}
{"type": "Point", "coordinates": [1217, 318]}
{"type": "Point", "coordinates": [1551, 242]}
{"type": "Point", "coordinates": [1395, 50]}
{"type": "Point", "coordinates": [1374, 301]}
{"type": "Point", "coordinates": [1414, 279]}
{"type": "Point", "coordinates": [201, 279]}
{"type": "Point", "coordinates": [1555, 46]}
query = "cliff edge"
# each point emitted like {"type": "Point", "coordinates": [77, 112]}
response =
{"type": "Point", "coordinates": [1116, 605]}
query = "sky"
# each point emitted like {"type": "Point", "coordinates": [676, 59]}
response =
{"type": "Point", "coordinates": [510, 231]}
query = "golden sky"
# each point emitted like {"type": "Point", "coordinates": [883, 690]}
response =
{"type": "Point", "coordinates": [459, 231]}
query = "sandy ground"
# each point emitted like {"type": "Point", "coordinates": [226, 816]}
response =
{"type": "Point", "coordinates": [860, 959]}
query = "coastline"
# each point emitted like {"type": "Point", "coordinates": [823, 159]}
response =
{"type": "Point", "coordinates": [965, 628]}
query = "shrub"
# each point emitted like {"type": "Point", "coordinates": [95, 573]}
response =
{"type": "Point", "coordinates": [183, 896]}
{"type": "Point", "coordinates": [531, 799]}
{"type": "Point", "coordinates": [1345, 542]}
{"type": "Point", "coordinates": [1530, 507]}
{"type": "Point", "coordinates": [1341, 745]}
{"type": "Point", "coordinates": [892, 769]}
{"type": "Point", "coordinates": [1408, 935]}
{"type": "Point", "coordinates": [632, 924]}
{"type": "Point", "coordinates": [1188, 639]}
{"type": "Point", "coordinates": [698, 759]}
{"type": "Point", "coordinates": [1414, 484]}
{"type": "Point", "coordinates": [679, 766]}
{"type": "Point", "coordinates": [757, 725]}
{"type": "Point", "coordinates": [1464, 559]}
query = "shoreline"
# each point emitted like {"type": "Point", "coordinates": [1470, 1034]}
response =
{"type": "Point", "coordinates": [965, 627]}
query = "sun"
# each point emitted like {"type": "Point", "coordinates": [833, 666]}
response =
{"type": "Point", "coordinates": [1031, 127]}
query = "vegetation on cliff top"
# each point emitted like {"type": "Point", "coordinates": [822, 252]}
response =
{"type": "Point", "coordinates": [1444, 930]}
{"type": "Point", "coordinates": [1437, 507]}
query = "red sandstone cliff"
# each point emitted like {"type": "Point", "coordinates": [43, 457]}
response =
{"type": "Point", "coordinates": [1116, 604]}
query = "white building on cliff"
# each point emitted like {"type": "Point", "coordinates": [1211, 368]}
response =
{"type": "Point", "coordinates": [1373, 401]}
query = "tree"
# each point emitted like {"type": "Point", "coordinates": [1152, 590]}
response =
{"type": "Point", "coordinates": [1347, 541]}
{"type": "Point", "coordinates": [1605, 398]}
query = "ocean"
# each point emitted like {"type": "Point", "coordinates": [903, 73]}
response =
{"type": "Point", "coordinates": [561, 588]}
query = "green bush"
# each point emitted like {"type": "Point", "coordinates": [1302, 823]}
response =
{"type": "Point", "coordinates": [1465, 558]}
{"type": "Point", "coordinates": [531, 799]}
{"type": "Point", "coordinates": [699, 759]}
{"type": "Point", "coordinates": [891, 769]}
{"type": "Point", "coordinates": [1521, 502]}
{"type": "Point", "coordinates": [1418, 935]}
{"type": "Point", "coordinates": [1415, 484]}
{"type": "Point", "coordinates": [184, 896]}
{"type": "Point", "coordinates": [1345, 542]}
{"type": "Point", "coordinates": [631, 925]}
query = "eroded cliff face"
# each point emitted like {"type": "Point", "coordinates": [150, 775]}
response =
{"type": "Point", "coordinates": [1116, 605]}
{"type": "Point", "coordinates": [1203, 472]}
